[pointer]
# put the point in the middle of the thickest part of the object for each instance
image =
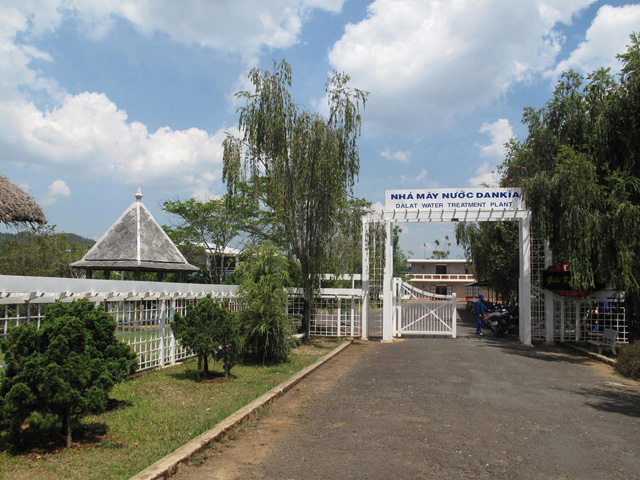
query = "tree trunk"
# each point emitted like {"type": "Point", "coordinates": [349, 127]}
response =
{"type": "Point", "coordinates": [206, 365]}
{"type": "Point", "coordinates": [198, 368]}
{"type": "Point", "coordinates": [66, 422]}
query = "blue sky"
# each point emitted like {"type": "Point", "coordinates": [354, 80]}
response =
{"type": "Point", "coordinates": [100, 97]}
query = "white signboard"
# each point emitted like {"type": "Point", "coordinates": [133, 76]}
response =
{"type": "Point", "coordinates": [454, 199]}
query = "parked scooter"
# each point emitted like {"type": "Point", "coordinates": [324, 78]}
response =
{"type": "Point", "coordinates": [503, 320]}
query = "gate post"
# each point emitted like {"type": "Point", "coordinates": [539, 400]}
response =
{"type": "Point", "coordinates": [454, 316]}
{"type": "Point", "coordinates": [387, 313]}
{"type": "Point", "coordinates": [365, 278]}
{"type": "Point", "coordinates": [524, 296]}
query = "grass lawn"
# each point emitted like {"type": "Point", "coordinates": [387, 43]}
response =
{"type": "Point", "coordinates": [152, 415]}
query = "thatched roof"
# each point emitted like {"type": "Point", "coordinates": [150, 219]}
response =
{"type": "Point", "coordinates": [16, 206]}
{"type": "Point", "coordinates": [135, 242]}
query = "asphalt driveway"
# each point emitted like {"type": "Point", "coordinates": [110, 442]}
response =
{"type": "Point", "coordinates": [436, 408]}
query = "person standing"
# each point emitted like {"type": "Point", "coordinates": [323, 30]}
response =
{"type": "Point", "coordinates": [481, 308]}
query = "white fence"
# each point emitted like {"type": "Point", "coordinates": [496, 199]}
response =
{"type": "Point", "coordinates": [144, 310]}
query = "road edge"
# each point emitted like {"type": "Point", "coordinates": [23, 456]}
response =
{"type": "Point", "coordinates": [168, 465]}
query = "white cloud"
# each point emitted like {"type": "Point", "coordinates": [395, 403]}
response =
{"type": "Point", "coordinates": [500, 132]}
{"type": "Point", "coordinates": [484, 176]}
{"type": "Point", "coordinates": [607, 36]}
{"type": "Point", "coordinates": [402, 156]}
{"type": "Point", "coordinates": [241, 27]}
{"type": "Point", "coordinates": [422, 175]}
{"type": "Point", "coordinates": [55, 191]}
{"type": "Point", "coordinates": [426, 61]}
{"type": "Point", "coordinates": [89, 135]}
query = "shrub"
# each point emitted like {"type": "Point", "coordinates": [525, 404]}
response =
{"type": "Point", "coordinates": [265, 322]}
{"type": "Point", "coordinates": [209, 329]}
{"type": "Point", "coordinates": [628, 363]}
{"type": "Point", "coordinates": [62, 371]}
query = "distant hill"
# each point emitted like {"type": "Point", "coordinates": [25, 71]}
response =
{"type": "Point", "coordinates": [71, 238]}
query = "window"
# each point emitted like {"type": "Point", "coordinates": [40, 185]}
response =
{"type": "Point", "coordinates": [442, 290]}
{"type": "Point", "coordinates": [441, 269]}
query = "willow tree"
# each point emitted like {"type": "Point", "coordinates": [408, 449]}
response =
{"type": "Point", "coordinates": [580, 169]}
{"type": "Point", "coordinates": [301, 165]}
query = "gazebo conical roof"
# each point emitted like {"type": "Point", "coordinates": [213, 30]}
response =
{"type": "Point", "coordinates": [16, 206]}
{"type": "Point", "coordinates": [135, 242]}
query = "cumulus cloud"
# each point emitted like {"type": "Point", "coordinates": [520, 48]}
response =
{"type": "Point", "coordinates": [607, 36]}
{"type": "Point", "coordinates": [426, 61]}
{"type": "Point", "coordinates": [55, 191]}
{"type": "Point", "coordinates": [402, 156]}
{"type": "Point", "coordinates": [484, 175]}
{"type": "Point", "coordinates": [242, 27]}
{"type": "Point", "coordinates": [500, 132]}
{"type": "Point", "coordinates": [88, 133]}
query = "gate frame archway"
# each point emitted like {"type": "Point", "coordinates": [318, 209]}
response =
{"type": "Point", "coordinates": [452, 205]}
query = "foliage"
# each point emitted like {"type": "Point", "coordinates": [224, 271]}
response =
{"type": "Point", "coordinates": [400, 262]}
{"type": "Point", "coordinates": [65, 369]}
{"type": "Point", "coordinates": [301, 166]}
{"type": "Point", "coordinates": [265, 321]}
{"type": "Point", "coordinates": [492, 248]}
{"type": "Point", "coordinates": [205, 229]}
{"type": "Point", "coordinates": [446, 249]}
{"type": "Point", "coordinates": [628, 361]}
{"type": "Point", "coordinates": [344, 247]}
{"type": "Point", "coordinates": [41, 252]}
{"type": "Point", "coordinates": [227, 335]}
{"type": "Point", "coordinates": [209, 329]}
{"type": "Point", "coordinates": [580, 170]}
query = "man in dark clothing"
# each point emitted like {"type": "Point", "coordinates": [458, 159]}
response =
{"type": "Point", "coordinates": [481, 308]}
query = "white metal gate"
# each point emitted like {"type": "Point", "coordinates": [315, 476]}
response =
{"type": "Point", "coordinates": [418, 312]}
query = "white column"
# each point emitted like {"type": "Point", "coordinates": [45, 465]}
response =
{"type": "Point", "coordinates": [525, 279]}
{"type": "Point", "coordinates": [387, 313]}
{"type": "Point", "coordinates": [162, 316]}
{"type": "Point", "coordinates": [454, 316]}
{"type": "Point", "coordinates": [365, 277]}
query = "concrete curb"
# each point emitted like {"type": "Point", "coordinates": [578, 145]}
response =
{"type": "Point", "coordinates": [597, 356]}
{"type": "Point", "coordinates": [167, 466]}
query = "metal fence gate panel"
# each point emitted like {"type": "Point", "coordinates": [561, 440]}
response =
{"type": "Point", "coordinates": [422, 313]}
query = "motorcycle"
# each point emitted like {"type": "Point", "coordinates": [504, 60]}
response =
{"type": "Point", "coordinates": [503, 321]}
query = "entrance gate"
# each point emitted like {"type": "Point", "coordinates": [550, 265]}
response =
{"type": "Point", "coordinates": [422, 313]}
{"type": "Point", "coordinates": [442, 205]}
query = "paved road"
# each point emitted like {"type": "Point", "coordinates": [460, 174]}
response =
{"type": "Point", "coordinates": [435, 408]}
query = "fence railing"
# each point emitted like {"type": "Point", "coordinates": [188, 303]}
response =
{"type": "Point", "coordinates": [144, 311]}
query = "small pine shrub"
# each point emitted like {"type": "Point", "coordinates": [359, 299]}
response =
{"type": "Point", "coordinates": [628, 363]}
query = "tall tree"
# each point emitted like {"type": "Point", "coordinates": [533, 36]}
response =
{"type": "Point", "coordinates": [580, 170]}
{"type": "Point", "coordinates": [446, 249]}
{"type": "Point", "coordinates": [301, 165]}
{"type": "Point", "coordinates": [205, 230]}
{"type": "Point", "coordinates": [492, 248]}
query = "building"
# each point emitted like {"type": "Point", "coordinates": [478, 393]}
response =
{"type": "Point", "coordinates": [442, 277]}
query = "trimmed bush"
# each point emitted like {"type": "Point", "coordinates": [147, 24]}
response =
{"type": "Point", "coordinates": [63, 370]}
{"type": "Point", "coordinates": [628, 363]}
{"type": "Point", "coordinates": [209, 329]}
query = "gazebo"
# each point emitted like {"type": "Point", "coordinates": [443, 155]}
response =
{"type": "Point", "coordinates": [16, 206]}
{"type": "Point", "coordinates": [136, 243]}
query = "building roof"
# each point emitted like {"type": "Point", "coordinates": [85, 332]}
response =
{"type": "Point", "coordinates": [135, 242]}
{"type": "Point", "coordinates": [16, 206]}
